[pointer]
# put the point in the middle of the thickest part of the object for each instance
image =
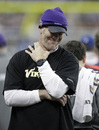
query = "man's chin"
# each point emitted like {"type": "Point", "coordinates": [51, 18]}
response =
{"type": "Point", "coordinates": [52, 48]}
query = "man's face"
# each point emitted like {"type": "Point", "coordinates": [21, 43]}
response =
{"type": "Point", "coordinates": [50, 40]}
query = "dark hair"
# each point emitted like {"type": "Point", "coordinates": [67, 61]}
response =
{"type": "Point", "coordinates": [97, 40]}
{"type": "Point", "coordinates": [77, 48]}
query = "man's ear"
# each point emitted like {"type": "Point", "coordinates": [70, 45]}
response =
{"type": "Point", "coordinates": [40, 30]}
{"type": "Point", "coordinates": [84, 59]}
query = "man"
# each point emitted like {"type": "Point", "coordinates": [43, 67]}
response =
{"type": "Point", "coordinates": [4, 59]}
{"type": "Point", "coordinates": [38, 78]}
{"type": "Point", "coordinates": [86, 104]}
{"type": "Point", "coordinates": [92, 58]}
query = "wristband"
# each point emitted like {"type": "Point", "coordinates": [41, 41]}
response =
{"type": "Point", "coordinates": [40, 62]}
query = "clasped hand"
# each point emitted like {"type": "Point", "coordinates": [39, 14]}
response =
{"type": "Point", "coordinates": [38, 52]}
{"type": "Point", "coordinates": [45, 95]}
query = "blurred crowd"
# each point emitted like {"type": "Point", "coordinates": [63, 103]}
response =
{"type": "Point", "coordinates": [16, 32]}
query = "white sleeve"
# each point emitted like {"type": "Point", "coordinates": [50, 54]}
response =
{"type": "Point", "coordinates": [21, 97]}
{"type": "Point", "coordinates": [52, 82]}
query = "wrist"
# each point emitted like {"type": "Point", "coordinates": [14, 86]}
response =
{"type": "Point", "coordinates": [42, 94]}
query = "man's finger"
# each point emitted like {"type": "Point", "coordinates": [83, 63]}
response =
{"type": "Point", "coordinates": [28, 52]}
{"type": "Point", "coordinates": [62, 102]}
{"type": "Point", "coordinates": [31, 48]}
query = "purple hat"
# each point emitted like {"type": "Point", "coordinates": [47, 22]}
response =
{"type": "Point", "coordinates": [55, 20]}
{"type": "Point", "coordinates": [88, 41]}
{"type": "Point", "coordinates": [2, 41]}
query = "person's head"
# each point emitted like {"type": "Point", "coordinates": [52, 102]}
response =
{"type": "Point", "coordinates": [88, 41]}
{"type": "Point", "coordinates": [3, 44]}
{"type": "Point", "coordinates": [97, 41]}
{"type": "Point", "coordinates": [53, 24]}
{"type": "Point", "coordinates": [78, 49]}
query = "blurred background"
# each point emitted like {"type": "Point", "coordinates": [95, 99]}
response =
{"type": "Point", "coordinates": [19, 20]}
